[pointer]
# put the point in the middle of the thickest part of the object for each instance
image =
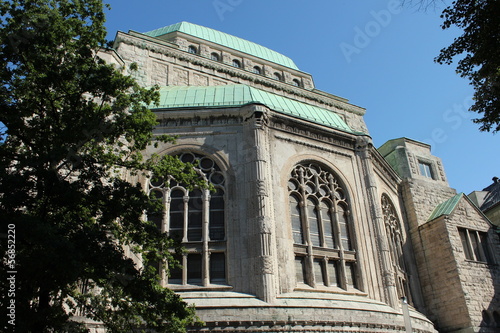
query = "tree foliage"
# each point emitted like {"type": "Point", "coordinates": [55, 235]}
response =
{"type": "Point", "coordinates": [73, 127]}
{"type": "Point", "coordinates": [479, 51]}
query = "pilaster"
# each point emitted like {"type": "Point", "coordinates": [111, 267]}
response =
{"type": "Point", "coordinates": [363, 151]}
{"type": "Point", "coordinates": [260, 208]}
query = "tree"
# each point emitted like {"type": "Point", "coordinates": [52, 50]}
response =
{"type": "Point", "coordinates": [480, 47]}
{"type": "Point", "coordinates": [73, 126]}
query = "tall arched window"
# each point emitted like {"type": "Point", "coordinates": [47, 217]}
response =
{"type": "Point", "coordinates": [321, 228]}
{"type": "Point", "coordinates": [196, 218]}
{"type": "Point", "coordinates": [396, 241]}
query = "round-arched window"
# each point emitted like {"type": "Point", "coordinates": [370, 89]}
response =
{"type": "Point", "coordinates": [186, 212]}
{"type": "Point", "coordinates": [236, 63]}
{"type": "Point", "coordinates": [192, 49]}
{"type": "Point", "coordinates": [322, 229]}
{"type": "Point", "coordinates": [215, 56]}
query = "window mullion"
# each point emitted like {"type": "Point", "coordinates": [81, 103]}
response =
{"type": "Point", "coordinates": [309, 257]}
{"type": "Point", "coordinates": [309, 263]}
{"type": "Point", "coordinates": [480, 247]}
{"type": "Point", "coordinates": [165, 226]}
{"type": "Point", "coordinates": [321, 227]}
{"type": "Point", "coordinates": [205, 237]}
{"type": "Point", "coordinates": [338, 239]}
{"type": "Point", "coordinates": [186, 219]}
{"type": "Point", "coordinates": [184, 270]}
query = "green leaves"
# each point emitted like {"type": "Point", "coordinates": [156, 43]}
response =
{"type": "Point", "coordinates": [72, 122]}
{"type": "Point", "coordinates": [479, 46]}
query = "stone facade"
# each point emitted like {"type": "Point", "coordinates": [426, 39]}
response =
{"type": "Point", "coordinates": [311, 229]}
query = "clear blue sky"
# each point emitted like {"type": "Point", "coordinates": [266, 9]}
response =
{"type": "Point", "coordinates": [374, 53]}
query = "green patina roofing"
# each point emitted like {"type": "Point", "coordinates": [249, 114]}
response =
{"type": "Point", "coordinates": [446, 208]}
{"type": "Point", "coordinates": [174, 97]}
{"type": "Point", "coordinates": [227, 40]}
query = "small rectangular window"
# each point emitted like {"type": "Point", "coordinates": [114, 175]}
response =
{"type": "Point", "coordinates": [217, 268]}
{"type": "Point", "coordinates": [175, 271]}
{"type": "Point", "coordinates": [300, 270]}
{"type": "Point", "coordinates": [475, 245]}
{"type": "Point", "coordinates": [350, 275]}
{"type": "Point", "coordinates": [333, 275]}
{"type": "Point", "coordinates": [319, 272]}
{"type": "Point", "coordinates": [194, 269]}
{"type": "Point", "coordinates": [425, 169]}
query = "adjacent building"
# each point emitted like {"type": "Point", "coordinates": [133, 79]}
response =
{"type": "Point", "coordinates": [310, 228]}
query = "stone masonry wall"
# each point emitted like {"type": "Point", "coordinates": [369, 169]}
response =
{"type": "Point", "coordinates": [480, 281]}
{"type": "Point", "coordinates": [441, 285]}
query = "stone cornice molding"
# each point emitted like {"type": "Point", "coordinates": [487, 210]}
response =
{"type": "Point", "coordinates": [170, 49]}
{"type": "Point", "coordinates": [300, 326]}
{"type": "Point", "coordinates": [310, 145]}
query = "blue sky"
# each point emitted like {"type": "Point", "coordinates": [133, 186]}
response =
{"type": "Point", "coordinates": [377, 54]}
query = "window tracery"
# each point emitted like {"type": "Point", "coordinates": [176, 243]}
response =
{"type": "Point", "coordinates": [321, 228]}
{"type": "Point", "coordinates": [195, 217]}
{"type": "Point", "coordinates": [396, 243]}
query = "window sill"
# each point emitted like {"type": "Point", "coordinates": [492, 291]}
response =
{"type": "Point", "coordinates": [334, 290]}
{"type": "Point", "coordinates": [483, 263]}
{"type": "Point", "coordinates": [213, 287]}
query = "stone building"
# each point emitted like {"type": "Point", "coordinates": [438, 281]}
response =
{"type": "Point", "coordinates": [488, 200]}
{"type": "Point", "coordinates": [310, 228]}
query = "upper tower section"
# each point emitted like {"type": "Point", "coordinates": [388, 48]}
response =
{"type": "Point", "coordinates": [182, 29]}
{"type": "Point", "coordinates": [234, 51]}
{"type": "Point", "coordinates": [413, 159]}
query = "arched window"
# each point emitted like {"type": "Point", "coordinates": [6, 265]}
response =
{"type": "Point", "coordinates": [396, 241]}
{"type": "Point", "coordinates": [192, 49]}
{"type": "Point", "coordinates": [257, 70]}
{"type": "Point", "coordinates": [278, 76]}
{"type": "Point", "coordinates": [236, 63]}
{"type": "Point", "coordinates": [296, 83]}
{"type": "Point", "coordinates": [195, 217]}
{"type": "Point", "coordinates": [215, 56]}
{"type": "Point", "coordinates": [321, 228]}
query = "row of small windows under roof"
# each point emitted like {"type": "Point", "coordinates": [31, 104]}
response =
{"type": "Point", "coordinates": [236, 63]}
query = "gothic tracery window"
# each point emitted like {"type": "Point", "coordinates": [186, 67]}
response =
{"type": "Point", "coordinates": [321, 228]}
{"type": "Point", "coordinates": [196, 218]}
{"type": "Point", "coordinates": [396, 241]}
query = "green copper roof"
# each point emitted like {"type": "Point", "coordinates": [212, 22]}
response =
{"type": "Point", "coordinates": [174, 97]}
{"type": "Point", "coordinates": [227, 40]}
{"type": "Point", "coordinates": [446, 208]}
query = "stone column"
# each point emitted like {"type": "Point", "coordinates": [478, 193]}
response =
{"type": "Point", "coordinates": [363, 150]}
{"type": "Point", "coordinates": [259, 203]}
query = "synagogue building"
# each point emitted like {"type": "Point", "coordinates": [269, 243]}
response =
{"type": "Point", "coordinates": [310, 227]}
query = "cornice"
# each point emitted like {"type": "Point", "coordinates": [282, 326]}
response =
{"type": "Point", "coordinates": [314, 133]}
{"type": "Point", "coordinates": [298, 326]}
